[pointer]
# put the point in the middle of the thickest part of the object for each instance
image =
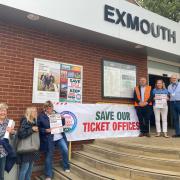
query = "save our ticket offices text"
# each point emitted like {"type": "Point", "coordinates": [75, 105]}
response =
{"type": "Point", "coordinates": [109, 120]}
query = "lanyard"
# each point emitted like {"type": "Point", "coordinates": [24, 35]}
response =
{"type": "Point", "coordinates": [174, 88]}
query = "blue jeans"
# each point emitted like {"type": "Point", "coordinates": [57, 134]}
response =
{"type": "Point", "coordinates": [25, 171]}
{"type": "Point", "coordinates": [2, 166]}
{"type": "Point", "coordinates": [175, 107]}
{"type": "Point", "coordinates": [61, 144]}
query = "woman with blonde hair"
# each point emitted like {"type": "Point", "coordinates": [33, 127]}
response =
{"type": "Point", "coordinates": [161, 95]}
{"type": "Point", "coordinates": [4, 121]}
{"type": "Point", "coordinates": [27, 127]}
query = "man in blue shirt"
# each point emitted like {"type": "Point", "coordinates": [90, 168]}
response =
{"type": "Point", "coordinates": [174, 91]}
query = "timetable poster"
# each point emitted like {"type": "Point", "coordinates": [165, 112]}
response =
{"type": "Point", "coordinates": [119, 79]}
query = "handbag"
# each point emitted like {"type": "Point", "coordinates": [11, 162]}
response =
{"type": "Point", "coordinates": [29, 144]}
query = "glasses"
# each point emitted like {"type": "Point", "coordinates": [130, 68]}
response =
{"type": "Point", "coordinates": [3, 110]}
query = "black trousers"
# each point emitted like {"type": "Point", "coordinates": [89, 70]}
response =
{"type": "Point", "coordinates": [144, 114]}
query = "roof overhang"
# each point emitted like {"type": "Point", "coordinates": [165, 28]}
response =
{"type": "Point", "coordinates": [85, 21]}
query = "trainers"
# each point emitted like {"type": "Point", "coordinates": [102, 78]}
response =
{"type": "Point", "coordinates": [67, 170]}
{"type": "Point", "coordinates": [48, 178]}
{"type": "Point", "coordinates": [158, 134]}
{"type": "Point", "coordinates": [165, 135]}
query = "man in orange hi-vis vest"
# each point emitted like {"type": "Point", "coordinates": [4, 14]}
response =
{"type": "Point", "coordinates": [143, 100]}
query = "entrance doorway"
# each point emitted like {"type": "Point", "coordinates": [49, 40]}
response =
{"type": "Point", "coordinates": [152, 81]}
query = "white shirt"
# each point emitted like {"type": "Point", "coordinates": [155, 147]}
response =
{"type": "Point", "coordinates": [57, 137]}
{"type": "Point", "coordinates": [142, 93]}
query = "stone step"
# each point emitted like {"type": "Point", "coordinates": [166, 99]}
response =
{"type": "Point", "coordinates": [124, 170]}
{"type": "Point", "coordinates": [140, 149]}
{"type": "Point", "coordinates": [81, 171]}
{"type": "Point", "coordinates": [60, 174]}
{"type": "Point", "coordinates": [99, 173]}
{"type": "Point", "coordinates": [131, 159]}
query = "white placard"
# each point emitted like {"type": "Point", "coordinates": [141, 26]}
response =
{"type": "Point", "coordinates": [160, 100]}
{"type": "Point", "coordinates": [11, 124]}
{"type": "Point", "coordinates": [56, 123]}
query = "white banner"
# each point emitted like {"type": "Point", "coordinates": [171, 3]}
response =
{"type": "Point", "coordinates": [93, 121]}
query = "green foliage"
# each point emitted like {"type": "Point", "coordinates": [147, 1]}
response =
{"type": "Point", "coordinates": [166, 8]}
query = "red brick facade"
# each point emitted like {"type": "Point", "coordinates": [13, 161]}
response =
{"type": "Point", "coordinates": [18, 48]}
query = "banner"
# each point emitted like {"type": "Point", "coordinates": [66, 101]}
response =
{"type": "Point", "coordinates": [93, 121]}
{"type": "Point", "coordinates": [58, 82]}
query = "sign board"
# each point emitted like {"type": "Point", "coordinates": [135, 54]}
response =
{"type": "Point", "coordinates": [119, 79]}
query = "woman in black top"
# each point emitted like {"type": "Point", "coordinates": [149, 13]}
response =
{"type": "Point", "coordinates": [27, 127]}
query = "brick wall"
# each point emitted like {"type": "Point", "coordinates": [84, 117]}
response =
{"type": "Point", "coordinates": [18, 48]}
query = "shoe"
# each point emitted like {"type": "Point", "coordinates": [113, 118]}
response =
{"type": "Point", "coordinates": [165, 135]}
{"type": "Point", "coordinates": [147, 135]}
{"type": "Point", "coordinates": [158, 134]}
{"type": "Point", "coordinates": [141, 135]}
{"type": "Point", "coordinates": [48, 178]}
{"type": "Point", "coordinates": [67, 170]}
{"type": "Point", "coordinates": [175, 136]}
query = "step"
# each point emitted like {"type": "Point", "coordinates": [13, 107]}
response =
{"type": "Point", "coordinates": [98, 173]}
{"type": "Point", "coordinates": [140, 149]}
{"type": "Point", "coordinates": [42, 177]}
{"type": "Point", "coordinates": [81, 171]}
{"type": "Point", "coordinates": [130, 159]}
{"type": "Point", "coordinates": [123, 170]}
{"type": "Point", "coordinates": [60, 174]}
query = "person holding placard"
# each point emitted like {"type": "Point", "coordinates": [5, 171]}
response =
{"type": "Point", "coordinates": [160, 107]}
{"type": "Point", "coordinates": [174, 90]}
{"type": "Point", "coordinates": [6, 129]}
{"type": "Point", "coordinates": [143, 100]}
{"type": "Point", "coordinates": [51, 132]}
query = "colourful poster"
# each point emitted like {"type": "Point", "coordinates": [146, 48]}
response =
{"type": "Point", "coordinates": [70, 83]}
{"type": "Point", "coordinates": [56, 81]}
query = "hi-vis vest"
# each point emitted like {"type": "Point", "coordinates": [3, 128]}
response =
{"type": "Point", "coordinates": [147, 94]}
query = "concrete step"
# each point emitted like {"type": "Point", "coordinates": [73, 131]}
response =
{"type": "Point", "coordinates": [140, 149]}
{"type": "Point", "coordinates": [81, 171]}
{"type": "Point", "coordinates": [60, 174]}
{"type": "Point", "coordinates": [100, 173]}
{"type": "Point", "coordinates": [131, 159]}
{"type": "Point", "coordinates": [124, 170]}
{"type": "Point", "coordinates": [42, 177]}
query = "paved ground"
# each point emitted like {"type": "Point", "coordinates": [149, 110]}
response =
{"type": "Point", "coordinates": [153, 141]}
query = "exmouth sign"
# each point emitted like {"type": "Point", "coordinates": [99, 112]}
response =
{"type": "Point", "coordinates": [125, 19]}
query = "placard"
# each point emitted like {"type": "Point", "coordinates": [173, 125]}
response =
{"type": "Point", "coordinates": [160, 100]}
{"type": "Point", "coordinates": [56, 123]}
{"type": "Point", "coordinates": [56, 81]}
{"type": "Point", "coordinates": [119, 79]}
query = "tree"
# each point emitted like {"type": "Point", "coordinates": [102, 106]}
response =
{"type": "Point", "coordinates": [166, 8]}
